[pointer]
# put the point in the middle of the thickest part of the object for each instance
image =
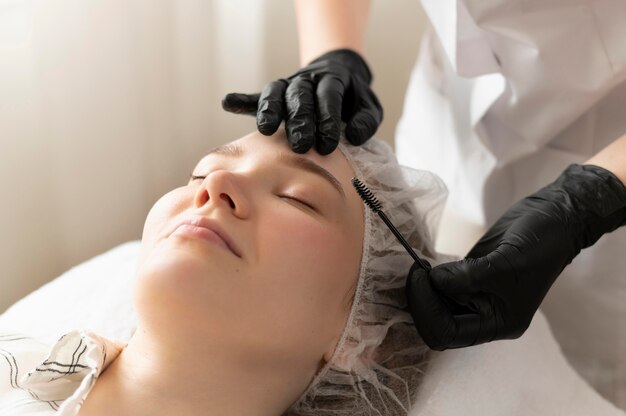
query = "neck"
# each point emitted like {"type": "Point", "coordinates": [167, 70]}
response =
{"type": "Point", "coordinates": [159, 378]}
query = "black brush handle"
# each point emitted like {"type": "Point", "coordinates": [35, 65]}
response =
{"type": "Point", "coordinates": [402, 241]}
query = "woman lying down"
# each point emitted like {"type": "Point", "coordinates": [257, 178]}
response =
{"type": "Point", "coordinates": [297, 308]}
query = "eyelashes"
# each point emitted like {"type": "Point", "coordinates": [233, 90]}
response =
{"type": "Point", "coordinates": [193, 177]}
{"type": "Point", "coordinates": [299, 201]}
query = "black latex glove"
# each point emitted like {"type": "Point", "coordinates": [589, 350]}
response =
{"type": "Point", "coordinates": [314, 101]}
{"type": "Point", "coordinates": [494, 292]}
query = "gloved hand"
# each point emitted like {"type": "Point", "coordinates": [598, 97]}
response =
{"type": "Point", "coordinates": [494, 292]}
{"type": "Point", "coordinates": [314, 101]}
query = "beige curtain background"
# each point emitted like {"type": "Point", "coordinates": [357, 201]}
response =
{"type": "Point", "coordinates": [105, 105]}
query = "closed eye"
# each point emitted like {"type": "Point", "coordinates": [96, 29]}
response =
{"type": "Point", "coordinates": [299, 201]}
{"type": "Point", "coordinates": [196, 177]}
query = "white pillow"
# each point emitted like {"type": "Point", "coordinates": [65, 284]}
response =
{"type": "Point", "coordinates": [96, 295]}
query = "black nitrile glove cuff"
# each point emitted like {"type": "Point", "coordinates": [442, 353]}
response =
{"type": "Point", "coordinates": [598, 199]}
{"type": "Point", "coordinates": [349, 59]}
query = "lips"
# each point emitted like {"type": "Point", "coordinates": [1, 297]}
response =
{"type": "Point", "coordinates": [203, 222]}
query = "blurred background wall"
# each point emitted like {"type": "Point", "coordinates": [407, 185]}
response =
{"type": "Point", "coordinates": [105, 105]}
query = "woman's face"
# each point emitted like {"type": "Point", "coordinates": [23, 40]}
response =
{"type": "Point", "coordinates": [284, 294]}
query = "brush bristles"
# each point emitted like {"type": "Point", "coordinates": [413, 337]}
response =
{"type": "Point", "coordinates": [366, 195]}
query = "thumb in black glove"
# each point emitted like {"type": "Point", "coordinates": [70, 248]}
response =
{"type": "Point", "coordinates": [494, 292]}
{"type": "Point", "coordinates": [314, 101]}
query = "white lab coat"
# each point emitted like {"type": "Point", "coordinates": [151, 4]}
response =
{"type": "Point", "coordinates": [504, 96]}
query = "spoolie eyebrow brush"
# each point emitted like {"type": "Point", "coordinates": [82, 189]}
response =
{"type": "Point", "coordinates": [370, 200]}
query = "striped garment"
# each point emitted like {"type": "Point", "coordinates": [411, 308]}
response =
{"type": "Point", "coordinates": [37, 380]}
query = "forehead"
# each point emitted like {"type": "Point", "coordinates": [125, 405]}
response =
{"type": "Point", "coordinates": [336, 163]}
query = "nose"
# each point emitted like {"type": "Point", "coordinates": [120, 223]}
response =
{"type": "Point", "coordinates": [222, 190]}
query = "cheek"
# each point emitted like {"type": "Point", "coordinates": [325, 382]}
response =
{"type": "Point", "coordinates": [308, 267]}
{"type": "Point", "coordinates": [160, 217]}
{"type": "Point", "coordinates": [297, 237]}
{"type": "Point", "coordinates": [317, 261]}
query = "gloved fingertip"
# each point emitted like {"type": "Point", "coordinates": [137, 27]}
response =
{"type": "Point", "coordinates": [414, 280]}
{"type": "Point", "coordinates": [298, 142]}
{"type": "Point", "coordinates": [300, 133]}
{"type": "Point", "coordinates": [448, 278]}
{"type": "Point", "coordinates": [433, 321]}
{"type": "Point", "coordinates": [327, 136]}
{"type": "Point", "coordinates": [324, 149]}
{"type": "Point", "coordinates": [361, 128]}
{"type": "Point", "coordinates": [326, 145]}
{"type": "Point", "coordinates": [240, 103]}
{"type": "Point", "coordinates": [228, 102]}
{"type": "Point", "coordinates": [267, 124]}
{"type": "Point", "coordinates": [355, 136]}
{"type": "Point", "coordinates": [267, 129]}
{"type": "Point", "coordinates": [271, 109]}
{"type": "Point", "coordinates": [301, 149]}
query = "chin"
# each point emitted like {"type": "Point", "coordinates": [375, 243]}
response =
{"type": "Point", "coordinates": [173, 285]}
{"type": "Point", "coordinates": [178, 268]}
{"type": "Point", "coordinates": [185, 257]}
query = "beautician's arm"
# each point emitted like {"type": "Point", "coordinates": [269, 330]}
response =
{"type": "Point", "coordinates": [332, 86]}
{"type": "Point", "coordinates": [325, 25]}
{"type": "Point", "coordinates": [612, 158]}
{"type": "Point", "coordinates": [494, 292]}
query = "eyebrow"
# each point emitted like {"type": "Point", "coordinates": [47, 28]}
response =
{"type": "Point", "coordinates": [289, 159]}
